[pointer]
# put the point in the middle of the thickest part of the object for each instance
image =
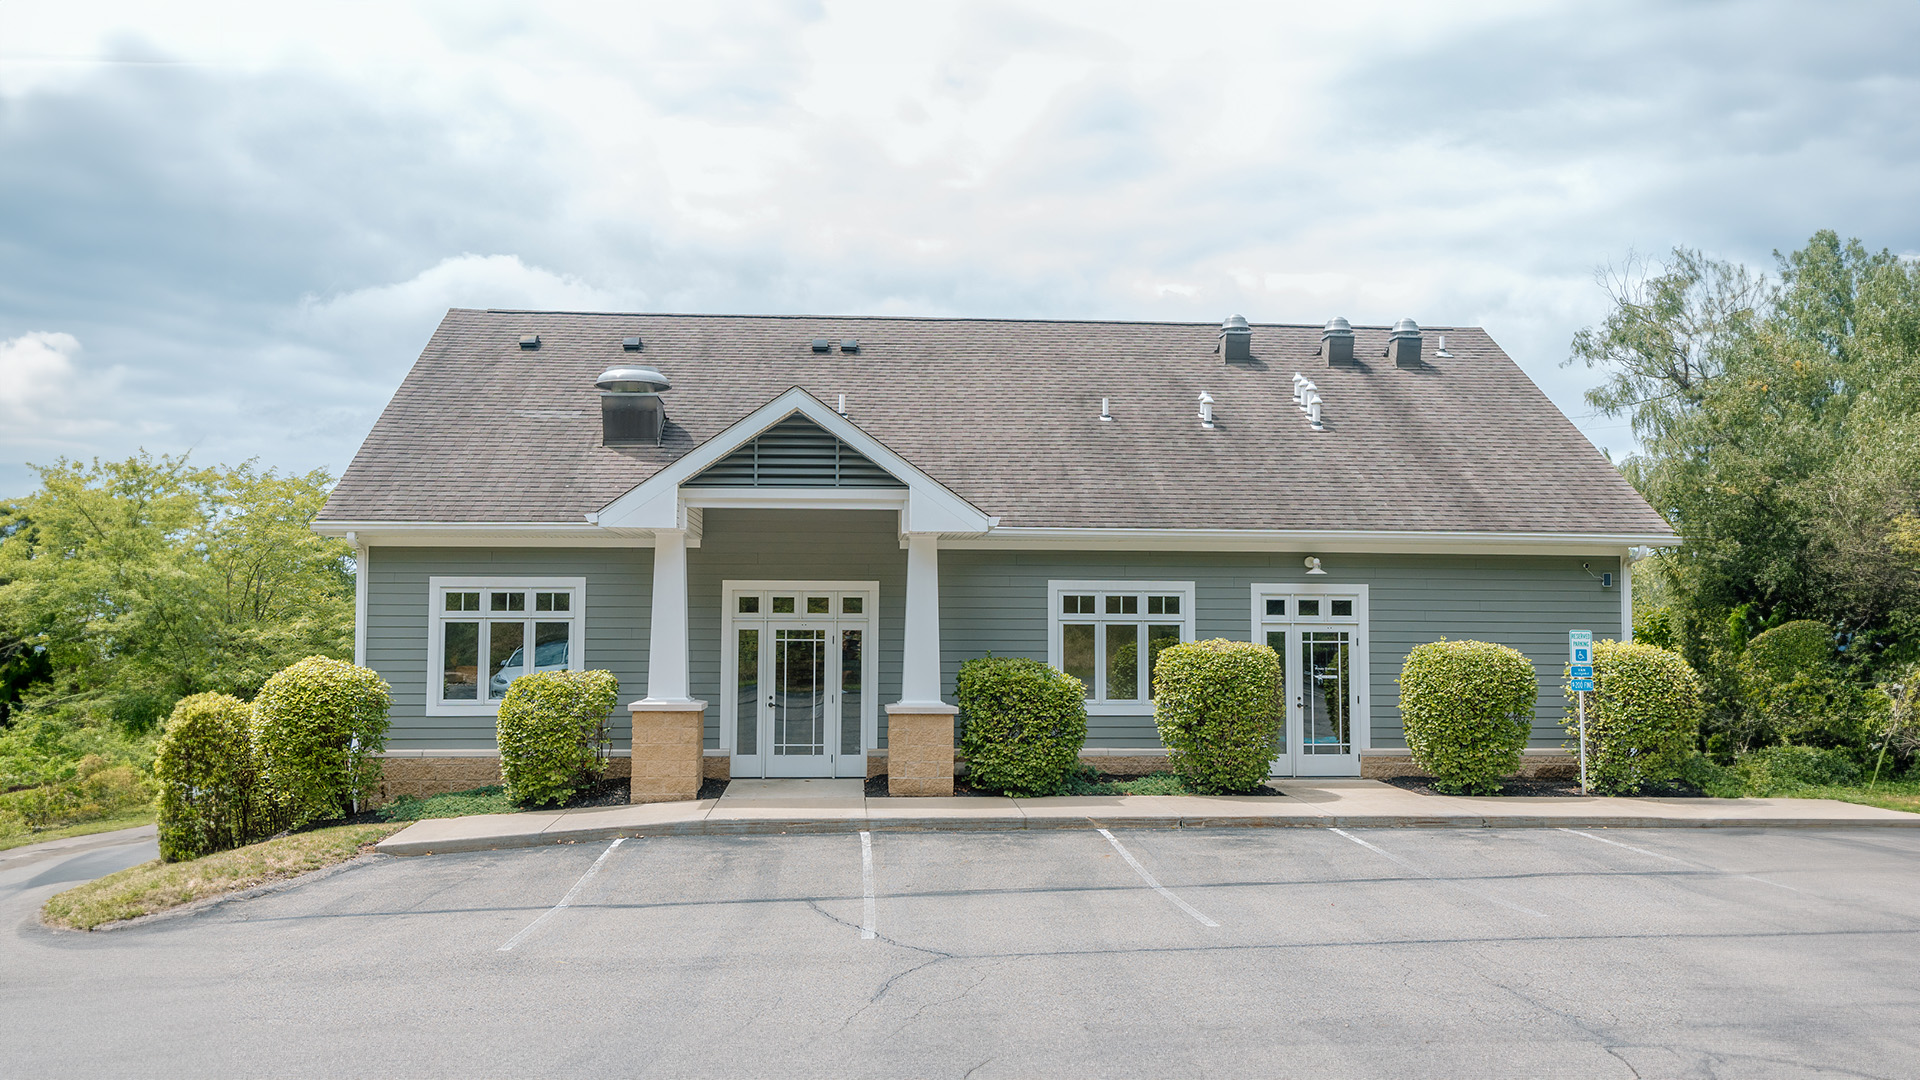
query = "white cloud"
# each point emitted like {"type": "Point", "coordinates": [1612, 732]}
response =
{"type": "Point", "coordinates": [402, 310]}
{"type": "Point", "coordinates": [36, 370]}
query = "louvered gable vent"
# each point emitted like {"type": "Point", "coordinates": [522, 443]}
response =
{"type": "Point", "coordinates": [795, 452]}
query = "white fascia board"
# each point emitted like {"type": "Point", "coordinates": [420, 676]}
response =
{"type": "Point", "coordinates": [1309, 541]}
{"type": "Point", "coordinates": [482, 534]}
{"type": "Point", "coordinates": [657, 504]}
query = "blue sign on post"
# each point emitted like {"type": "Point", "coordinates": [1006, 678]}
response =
{"type": "Point", "coordinates": [1580, 648]}
{"type": "Point", "coordinates": [1580, 673]}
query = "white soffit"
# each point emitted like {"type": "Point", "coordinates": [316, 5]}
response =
{"type": "Point", "coordinates": [658, 503]}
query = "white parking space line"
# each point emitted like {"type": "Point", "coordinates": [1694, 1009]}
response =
{"type": "Point", "coordinates": [1384, 853]}
{"type": "Point", "coordinates": [1157, 887]}
{"type": "Point", "coordinates": [565, 900]}
{"type": "Point", "coordinates": [1670, 858]}
{"type": "Point", "coordinates": [866, 886]}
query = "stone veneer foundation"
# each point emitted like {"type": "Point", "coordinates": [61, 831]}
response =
{"type": "Point", "coordinates": [424, 776]}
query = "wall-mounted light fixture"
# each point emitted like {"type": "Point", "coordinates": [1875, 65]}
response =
{"type": "Point", "coordinates": [1313, 565]}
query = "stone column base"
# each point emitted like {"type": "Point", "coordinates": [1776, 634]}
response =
{"type": "Point", "coordinates": [667, 761]}
{"type": "Point", "coordinates": [920, 748]}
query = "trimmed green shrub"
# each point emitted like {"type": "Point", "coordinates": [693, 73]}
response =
{"type": "Point", "coordinates": [1024, 724]}
{"type": "Point", "coordinates": [1793, 691]}
{"type": "Point", "coordinates": [1218, 709]}
{"type": "Point", "coordinates": [1643, 717]}
{"type": "Point", "coordinates": [206, 771]}
{"type": "Point", "coordinates": [552, 730]}
{"type": "Point", "coordinates": [1793, 648]}
{"type": "Point", "coordinates": [1467, 709]}
{"type": "Point", "coordinates": [319, 726]}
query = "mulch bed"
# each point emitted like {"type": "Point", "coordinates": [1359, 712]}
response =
{"type": "Point", "coordinates": [877, 788]}
{"type": "Point", "coordinates": [1546, 787]}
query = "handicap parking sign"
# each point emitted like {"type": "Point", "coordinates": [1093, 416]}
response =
{"type": "Point", "coordinates": [1580, 652]}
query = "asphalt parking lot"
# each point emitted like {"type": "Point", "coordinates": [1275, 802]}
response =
{"type": "Point", "coordinates": [1282, 952]}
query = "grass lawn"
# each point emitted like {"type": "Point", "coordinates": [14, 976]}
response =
{"type": "Point", "coordinates": [128, 821]}
{"type": "Point", "coordinates": [1887, 794]}
{"type": "Point", "coordinates": [157, 886]}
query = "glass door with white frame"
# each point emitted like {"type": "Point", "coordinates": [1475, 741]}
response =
{"type": "Point", "coordinates": [800, 662]}
{"type": "Point", "coordinates": [1321, 641]}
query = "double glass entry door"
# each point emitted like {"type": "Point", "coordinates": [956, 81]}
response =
{"type": "Point", "coordinates": [800, 699]}
{"type": "Point", "coordinates": [1321, 654]}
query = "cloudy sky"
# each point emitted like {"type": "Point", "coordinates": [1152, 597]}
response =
{"type": "Point", "coordinates": [229, 228]}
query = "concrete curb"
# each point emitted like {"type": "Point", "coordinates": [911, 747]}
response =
{"type": "Point", "coordinates": [400, 844]}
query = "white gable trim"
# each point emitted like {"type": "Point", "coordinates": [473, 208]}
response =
{"type": "Point", "coordinates": [930, 507]}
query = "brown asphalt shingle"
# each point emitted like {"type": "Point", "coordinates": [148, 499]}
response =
{"type": "Point", "coordinates": [1004, 412]}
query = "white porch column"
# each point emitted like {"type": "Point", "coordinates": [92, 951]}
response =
{"type": "Point", "coordinates": [920, 661]}
{"type": "Point", "coordinates": [667, 636]}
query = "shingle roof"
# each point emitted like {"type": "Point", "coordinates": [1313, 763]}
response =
{"type": "Point", "coordinates": [1005, 413]}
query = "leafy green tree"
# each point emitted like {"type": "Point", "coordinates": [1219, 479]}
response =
{"type": "Point", "coordinates": [136, 583]}
{"type": "Point", "coordinates": [1778, 420]}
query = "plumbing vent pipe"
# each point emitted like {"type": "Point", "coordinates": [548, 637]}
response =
{"type": "Point", "coordinates": [1336, 341]}
{"type": "Point", "coordinates": [1307, 396]}
{"type": "Point", "coordinates": [1206, 409]}
{"type": "Point", "coordinates": [1106, 412]}
{"type": "Point", "coordinates": [1236, 340]}
{"type": "Point", "coordinates": [1403, 345]}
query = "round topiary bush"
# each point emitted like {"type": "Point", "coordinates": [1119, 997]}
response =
{"type": "Point", "coordinates": [1024, 724]}
{"type": "Point", "coordinates": [552, 730]}
{"type": "Point", "coordinates": [204, 764]}
{"type": "Point", "coordinates": [1217, 706]}
{"type": "Point", "coordinates": [319, 726]}
{"type": "Point", "coordinates": [1793, 648]}
{"type": "Point", "coordinates": [1643, 716]}
{"type": "Point", "coordinates": [1467, 709]}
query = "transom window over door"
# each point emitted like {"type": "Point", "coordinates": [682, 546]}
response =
{"type": "Point", "coordinates": [1109, 635]}
{"type": "Point", "coordinates": [486, 632]}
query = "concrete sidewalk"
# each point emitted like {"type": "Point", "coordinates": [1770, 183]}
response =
{"type": "Point", "coordinates": [815, 806]}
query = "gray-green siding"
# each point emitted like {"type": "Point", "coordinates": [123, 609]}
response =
{"type": "Point", "coordinates": [619, 606]}
{"type": "Point", "coordinates": [998, 601]}
{"type": "Point", "coordinates": [989, 601]}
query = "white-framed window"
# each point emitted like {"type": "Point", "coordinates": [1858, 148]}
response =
{"type": "Point", "coordinates": [483, 633]}
{"type": "Point", "coordinates": [1109, 635]}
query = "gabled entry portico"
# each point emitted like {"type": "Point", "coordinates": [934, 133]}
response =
{"type": "Point", "coordinates": [800, 675]}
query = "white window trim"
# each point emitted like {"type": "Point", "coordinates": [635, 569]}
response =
{"type": "Point", "coordinates": [730, 618]}
{"type": "Point", "coordinates": [1056, 651]}
{"type": "Point", "coordinates": [437, 620]}
{"type": "Point", "coordinates": [1362, 719]}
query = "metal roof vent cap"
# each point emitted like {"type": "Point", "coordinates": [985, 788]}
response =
{"type": "Point", "coordinates": [1403, 345]}
{"type": "Point", "coordinates": [529, 341]}
{"type": "Point", "coordinates": [1236, 340]}
{"type": "Point", "coordinates": [1336, 341]}
{"type": "Point", "coordinates": [630, 410]}
{"type": "Point", "coordinates": [632, 380]}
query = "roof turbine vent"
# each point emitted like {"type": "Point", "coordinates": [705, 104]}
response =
{"type": "Point", "coordinates": [630, 410]}
{"type": "Point", "coordinates": [1403, 345]}
{"type": "Point", "coordinates": [1236, 340]}
{"type": "Point", "coordinates": [1336, 341]}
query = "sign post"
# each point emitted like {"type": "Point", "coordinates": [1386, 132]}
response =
{"type": "Point", "coordinates": [1580, 673]}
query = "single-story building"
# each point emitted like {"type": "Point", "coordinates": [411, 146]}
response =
{"type": "Point", "coordinates": [785, 534]}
